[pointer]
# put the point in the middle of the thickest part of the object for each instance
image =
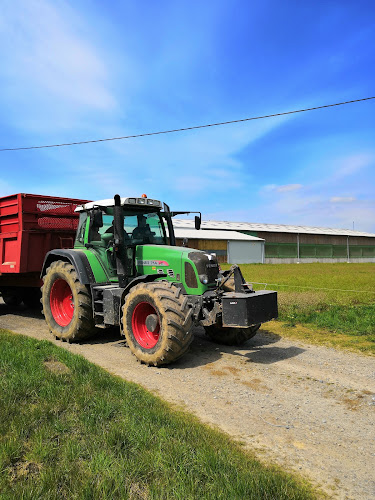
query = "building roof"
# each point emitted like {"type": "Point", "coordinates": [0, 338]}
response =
{"type": "Point", "coordinates": [193, 234]}
{"type": "Point", "coordinates": [270, 228]}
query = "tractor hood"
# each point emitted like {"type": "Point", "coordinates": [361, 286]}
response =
{"type": "Point", "coordinates": [194, 269]}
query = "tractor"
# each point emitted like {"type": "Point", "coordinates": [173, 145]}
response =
{"type": "Point", "coordinates": [125, 270]}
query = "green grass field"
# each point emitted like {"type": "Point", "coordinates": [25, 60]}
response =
{"type": "Point", "coordinates": [69, 430]}
{"type": "Point", "coordinates": [350, 313]}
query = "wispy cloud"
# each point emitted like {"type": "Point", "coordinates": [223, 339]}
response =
{"type": "Point", "coordinates": [342, 199]}
{"type": "Point", "coordinates": [50, 66]}
{"type": "Point", "coordinates": [287, 188]}
{"type": "Point", "coordinates": [351, 165]}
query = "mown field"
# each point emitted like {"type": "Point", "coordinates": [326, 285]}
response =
{"type": "Point", "coordinates": [69, 430]}
{"type": "Point", "coordinates": [338, 298]}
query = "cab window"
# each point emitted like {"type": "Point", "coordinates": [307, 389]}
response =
{"type": "Point", "coordinates": [81, 227]}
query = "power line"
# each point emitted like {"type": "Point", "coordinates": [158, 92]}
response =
{"type": "Point", "coordinates": [310, 287]}
{"type": "Point", "coordinates": [184, 129]}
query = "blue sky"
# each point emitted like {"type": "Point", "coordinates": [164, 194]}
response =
{"type": "Point", "coordinates": [86, 69]}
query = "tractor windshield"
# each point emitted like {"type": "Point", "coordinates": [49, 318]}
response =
{"type": "Point", "coordinates": [140, 228]}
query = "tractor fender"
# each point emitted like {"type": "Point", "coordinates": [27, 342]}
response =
{"type": "Point", "coordinates": [77, 258]}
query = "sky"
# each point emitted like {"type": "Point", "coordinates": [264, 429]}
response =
{"type": "Point", "coordinates": [87, 69]}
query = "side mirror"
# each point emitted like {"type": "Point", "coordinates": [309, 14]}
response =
{"type": "Point", "coordinates": [197, 222]}
{"type": "Point", "coordinates": [185, 242]}
{"type": "Point", "coordinates": [97, 218]}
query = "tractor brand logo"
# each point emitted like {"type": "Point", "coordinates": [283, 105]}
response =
{"type": "Point", "coordinates": [152, 263]}
{"type": "Point", "coordinates": [233, 303]}
{"type": "Point", "coordinates": [211, 265]}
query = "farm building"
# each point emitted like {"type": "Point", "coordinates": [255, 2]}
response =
{"type": "Point", "coordinates": [289, 244]}
{"type": "Point", "coordinates": [234, 247]}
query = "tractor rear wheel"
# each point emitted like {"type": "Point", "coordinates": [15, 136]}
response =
{"type": "Point", "coordinates": [66, 303]}
{"type": "Point", "coordinates": [230, 336]}
{"type": "Point", "coordinates": [157, 322]}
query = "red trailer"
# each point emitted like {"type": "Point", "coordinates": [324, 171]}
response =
{"type": "Point", "coordinates": [30, 226]}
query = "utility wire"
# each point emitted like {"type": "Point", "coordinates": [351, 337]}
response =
{"type": "Point", "coordinates": [187, 128]}
{"type": "Point", "coordinates": [310, 287]}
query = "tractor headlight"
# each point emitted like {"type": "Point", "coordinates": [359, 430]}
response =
{"type": "Point", "coordinates": [203, 278]}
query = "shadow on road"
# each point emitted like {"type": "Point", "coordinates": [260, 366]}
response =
{"type": "Point", "coordinates": [21, 310]}
{"type": "Point", "coordinates": [262, 348]}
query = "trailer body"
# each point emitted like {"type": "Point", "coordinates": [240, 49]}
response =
{"type": "Point", "coordinates": [30, 226]}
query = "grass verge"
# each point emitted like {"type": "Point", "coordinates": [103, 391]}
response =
{"type": "Point", "coordinates": [70, 430]}
{"type": "Point", "coordinates": [339, 308]}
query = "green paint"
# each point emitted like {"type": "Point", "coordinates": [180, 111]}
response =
{"type": "Point", "coordinates": [97, 268]}
{"type": "Point", "coordinates": [170, 260]}
{"type": "Point", "coordinates": [149, 259]}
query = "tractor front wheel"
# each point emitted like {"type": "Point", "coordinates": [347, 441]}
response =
{"type": "Point", "coordinates": [157, 322]}
{"type": "Point", "coordinates": [66, 303]}
{"type": "Point", "coordinates": [230, 336]}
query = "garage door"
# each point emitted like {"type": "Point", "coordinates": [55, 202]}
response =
{"type": "Point", "coordinates": [245, 252]}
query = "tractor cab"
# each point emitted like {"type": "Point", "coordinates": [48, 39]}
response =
{"type": "Point", "coordinates": [111, 231]}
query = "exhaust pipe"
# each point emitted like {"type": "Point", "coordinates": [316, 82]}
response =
{"type": "Point", "coordinates": [119, 247]}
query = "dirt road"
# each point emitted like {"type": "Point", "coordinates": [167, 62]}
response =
{"type": "Point", "coordinates": [307, 408]}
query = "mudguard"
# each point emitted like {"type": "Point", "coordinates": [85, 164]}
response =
{"type": "Point", "coordinates": [77, 258]}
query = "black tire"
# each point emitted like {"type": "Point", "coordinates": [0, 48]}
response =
{"type": "Point", "coordinates": [171, 333]}
{"type": "Point", "coordinates": [66, 322]}
{"type": "Point", "coordinates": [12, 296]}
{"type": "Point", "coordinates": [230, 336]}
{"type": "Point", "coordinates": [31, 297]}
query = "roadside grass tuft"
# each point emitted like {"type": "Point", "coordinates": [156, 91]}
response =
{"type": "Point", "coordinates": [338, 312]}
{"type": "Point", "coordinates": [80, 433]}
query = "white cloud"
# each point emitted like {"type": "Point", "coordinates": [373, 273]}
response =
{"type": "Point", "coordinates": [50, 68]}
{"type": "Point", "coordinates": [289, 187]}
{"type": "Point", "coordinates": [342, 199]}
{"type": "Point", "coordinates": [352, 165]}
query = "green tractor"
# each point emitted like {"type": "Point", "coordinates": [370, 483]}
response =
{"type": "Point", "coordinates": [125, 270]}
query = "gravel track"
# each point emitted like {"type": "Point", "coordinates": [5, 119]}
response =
{"type": "Point", "coordinates": [308, 408]}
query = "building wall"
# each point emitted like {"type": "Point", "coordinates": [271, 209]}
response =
{"type": "Point", "coordinates": [283, 247]}
{"type": "Point", "coordinates": [309, 261]}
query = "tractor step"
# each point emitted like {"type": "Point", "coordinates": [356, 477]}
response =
{"type": "Point", "coordinates": [106, 304]}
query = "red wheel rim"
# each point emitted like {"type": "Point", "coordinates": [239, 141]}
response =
{"type": "Point", "coordinates": [61, 302]}
{"type": "Point", "coordinates": [142, 335]}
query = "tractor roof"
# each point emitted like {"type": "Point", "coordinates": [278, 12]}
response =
{"type": "Point", "coordinates": [136, 202]}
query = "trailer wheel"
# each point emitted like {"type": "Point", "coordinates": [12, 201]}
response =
{"type": "Point", "coordinates": [11, 297]}
{"type": "Point", "coordinates": [31, 297]}
{"type": "Point", "coordinates": [231, 336]}
{"type": "Point", "coordinates": [66, 303]}
{"type": "Point", "coordinates": [157, 322]}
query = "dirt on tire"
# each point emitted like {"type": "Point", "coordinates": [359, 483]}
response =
{"type": "Point", "coordinates": [310, 409]}
{"type": "Point", "coordinates": [81, 325]}
{"type": "Point", "coordinates": [174, 321]}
